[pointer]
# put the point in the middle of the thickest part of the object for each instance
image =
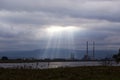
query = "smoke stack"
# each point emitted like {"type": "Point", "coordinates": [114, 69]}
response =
{"type": "Point", "coordinates": [87, 48]}
{"type": "Point", "coordinates": [93, 50]}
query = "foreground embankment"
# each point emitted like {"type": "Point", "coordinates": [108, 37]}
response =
{"type": "Point", "coordinates": [74, 73]}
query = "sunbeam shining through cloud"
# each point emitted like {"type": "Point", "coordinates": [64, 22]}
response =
{"type": "Point", "coordinates": [59, 25]}
{"type": "Point", "coordinates": [60, 29]}
{"type": "Point", "coordinates": [60, 37]}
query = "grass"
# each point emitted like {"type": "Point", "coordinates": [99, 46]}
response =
{"type": "Point", "coordinates": [77, 73]}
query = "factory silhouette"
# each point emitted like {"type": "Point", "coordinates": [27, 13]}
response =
{"type": "Point", "coordinates": [87, 56]}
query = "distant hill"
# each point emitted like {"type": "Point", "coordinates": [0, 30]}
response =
{"type": "Point", "coordinates": [55, 53]}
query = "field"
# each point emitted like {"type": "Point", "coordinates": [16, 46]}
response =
{"type": "Point", "coordinates": [77, 73]}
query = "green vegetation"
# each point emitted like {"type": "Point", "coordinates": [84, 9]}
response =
{"type": "Point", "coordinates": [78, 73]}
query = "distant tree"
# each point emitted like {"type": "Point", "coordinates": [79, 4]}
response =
{"type": "Point", "coordinates": [117, 57]}
{"type": "Point", "coordinates": [4, 58]}
{"type": "Point", "coordinates": [106, 62]}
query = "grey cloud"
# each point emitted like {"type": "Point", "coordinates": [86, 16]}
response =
{"type": "Point", "coordinates": [92, 9]}
{"type": "Point", "coordinates": [23, 22]}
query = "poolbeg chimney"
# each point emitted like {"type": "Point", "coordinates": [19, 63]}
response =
{"type": "Point", "coordinates": [93, 50]}
{"type": "Point", "coordinates": [87, 48]}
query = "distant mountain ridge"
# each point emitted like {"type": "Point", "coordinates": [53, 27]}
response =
{"type": "Point", "coordinates": [56, 53]}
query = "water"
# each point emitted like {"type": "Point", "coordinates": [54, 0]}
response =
{"type": "Point", "coordinates": [45, 65]}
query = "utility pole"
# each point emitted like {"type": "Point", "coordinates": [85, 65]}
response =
{"type": "Point", "coordinates": [72, 57]}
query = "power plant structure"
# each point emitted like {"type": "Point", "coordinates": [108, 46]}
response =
{"type": "Point", "coordinates": [93, 57]}
{"type": "Point", "coordinates": [86, 56]}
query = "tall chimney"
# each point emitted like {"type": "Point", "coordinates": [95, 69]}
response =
{"type": "Point", "coordinates": [87, 48]}
{"type": "Point", "coordinates": [93, 50]}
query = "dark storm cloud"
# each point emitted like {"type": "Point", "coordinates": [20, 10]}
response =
{"type": "Point", "coordinates": [24, 21]}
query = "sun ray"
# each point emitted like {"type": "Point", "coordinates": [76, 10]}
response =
{"type": "Point", "coordinates": [59, 37]}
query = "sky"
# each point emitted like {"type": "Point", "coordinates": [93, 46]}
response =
{"type": "Point", "coordinates": [67, 24]}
